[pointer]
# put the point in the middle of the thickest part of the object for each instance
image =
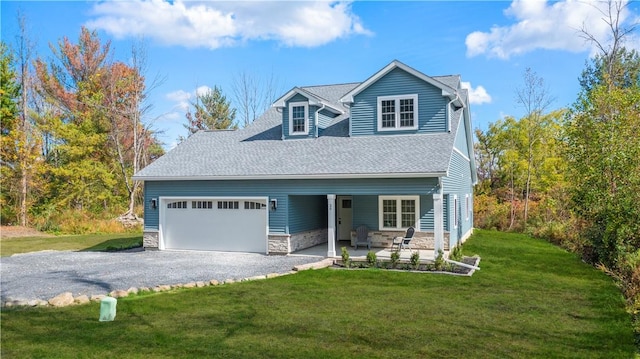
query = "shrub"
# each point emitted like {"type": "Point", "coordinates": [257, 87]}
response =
{"type": "Point", "coordinates": [372, 258]}
{"type": "Point", "coordinates": [456, 253]}
{"type": "Point", "coordinates": [415, 259]}
{"type": "Point", "coordinates": [439, 262]}
{"type": "Point", "coordinates": [395, 257]}
{"type": "Point", "coordinates": [345, 257]}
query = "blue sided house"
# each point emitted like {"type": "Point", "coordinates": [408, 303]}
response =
{"type": "Point", "coordinates": [392, 152]}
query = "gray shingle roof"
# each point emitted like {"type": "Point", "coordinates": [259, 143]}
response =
{"type": "Point", "coordinates": [258, 151]}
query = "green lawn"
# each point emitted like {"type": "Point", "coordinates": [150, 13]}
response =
{"type": "Point", "coordinates": [530, 300]}
{"type": "Point", "coordinates": [89, 242]}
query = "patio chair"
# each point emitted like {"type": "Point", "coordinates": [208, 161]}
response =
{"type": "Point", "coordinates": [404, 242]}
{"type": "Point", "coordinates": [362, 237]}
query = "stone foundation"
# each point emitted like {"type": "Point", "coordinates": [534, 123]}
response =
{"type": "Point", "coordinates": [421, 240]}
{"type": "Point", "coordinates": [150, 239]}
{"type": "Point", "coordinates": [281, 244]}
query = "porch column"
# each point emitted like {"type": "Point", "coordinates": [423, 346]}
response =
{"type": "Point", "coordinates": [438, 224]}
{"type": "Point", "coordinates": [331, 230]}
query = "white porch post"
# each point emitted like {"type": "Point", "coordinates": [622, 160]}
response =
{"type": "Point", "coordinates": [331, 230]}
{"type": "Point", "coordinates": [438, 223]}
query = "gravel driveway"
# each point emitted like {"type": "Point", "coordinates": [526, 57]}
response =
{"type": "Point", "coordinates": [43, 275]}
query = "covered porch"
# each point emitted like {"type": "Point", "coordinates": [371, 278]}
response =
{"type": "Point", "coordinates": [320, 250]}
{"type": "Point", "coordinates": [336, 233]}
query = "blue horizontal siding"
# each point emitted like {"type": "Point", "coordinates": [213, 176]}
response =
{"type": "Point", "coordinates": [307, 213]}
{"type": "Point", "coordinates": [461, 140]}
{"type": "Point", "coordinates": [431, 104]}
{"type": "Point", "coordinates": [458, 182]}
{"type": "Point", "coordinates": [282, 190]}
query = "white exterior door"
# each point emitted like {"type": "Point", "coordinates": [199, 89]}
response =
{"type": "Point", "coordinates": [214, 224]}
{"type": "Point", "coordinates": [345, 218]}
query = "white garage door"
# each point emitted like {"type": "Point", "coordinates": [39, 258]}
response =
{"type": "Point", "coordinates": [236, 224]}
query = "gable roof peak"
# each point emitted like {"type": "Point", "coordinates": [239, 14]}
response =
{"type": "Point", "coordinates": [446, 89]}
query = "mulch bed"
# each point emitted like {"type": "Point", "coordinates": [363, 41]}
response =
{"type": "Point", "coordinates": [405, 265]}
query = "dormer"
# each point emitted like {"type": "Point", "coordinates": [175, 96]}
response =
{"type": "Point", "coordinates": [304, 114]}
{"type": "Point", "coordinates": [401, 100]}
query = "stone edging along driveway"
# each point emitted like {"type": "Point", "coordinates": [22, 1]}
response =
{"type": "Point", "coordinates": [60, 278]}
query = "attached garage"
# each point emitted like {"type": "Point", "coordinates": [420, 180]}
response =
{"type": "Point", "coordinates": [214, 224]}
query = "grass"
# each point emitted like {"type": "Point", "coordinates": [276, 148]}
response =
{"type": "Point", "coordinates": [530, 300]}
{"type": "Point", "coordinates": [89, 242]}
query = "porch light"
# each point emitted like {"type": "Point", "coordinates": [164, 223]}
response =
{"type": "Point", "coordinates": [273, 204]}
{"type": "Point", "coordinates": [154, 203]}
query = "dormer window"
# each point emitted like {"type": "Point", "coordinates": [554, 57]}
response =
{"type": "Point", "coordinates": [298, 118]}
{"type": "Point", "coordinates": [398, 112]}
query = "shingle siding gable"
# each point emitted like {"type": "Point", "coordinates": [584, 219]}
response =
{"type": "Point", "coordinates": [431, 104]}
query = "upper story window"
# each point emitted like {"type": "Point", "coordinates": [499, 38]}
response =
{"type": "Point", "coordinates": [298, 118]}
{"type": "Point", "coordinates": [397, 113]}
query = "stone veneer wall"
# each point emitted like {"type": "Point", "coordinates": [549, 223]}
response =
{"type": "Point", "coordinates": [150, 239]}
{"type": "Point", "coordinates": [421, 240]}
{"type": "Point", "coordinates": [308, 239]}
{"type": "Point", "coordinates": [279, 244]}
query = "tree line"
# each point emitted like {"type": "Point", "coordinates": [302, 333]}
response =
{"type": "Point", "coordinates": [573, 175]}
{"type": "Point", "coordinates": [75, 128]}
{"type": "Point", "coordinates": [73, 132]}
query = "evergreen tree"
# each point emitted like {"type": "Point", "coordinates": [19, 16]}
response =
{"type": "Point", "coordinates": [211, 111]}
{"type": "Point", "coordinates": [9, 136]}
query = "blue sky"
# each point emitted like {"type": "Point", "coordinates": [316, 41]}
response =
{"type": "Point", "coordinates": [199, 44]}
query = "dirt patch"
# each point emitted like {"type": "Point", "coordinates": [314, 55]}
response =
{"type": "Point", "coordinates": [19, 231]}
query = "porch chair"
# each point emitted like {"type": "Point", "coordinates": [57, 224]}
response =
{"type": "Point", "coordinates": [404, 242]}
{"type": "Point", "coordinates": [362, 237]}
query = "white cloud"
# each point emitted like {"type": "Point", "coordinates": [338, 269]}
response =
{"type": "Point", "coordinates": [543, 25]}
{"type": "Point", "coordinates": [202, 90]}
{"type": "Point", "coordinates": [181, 99]}
{"type": "Point", "coordinates": [219, 24]}
{"type": "Point", "coordinates": [478, 95]}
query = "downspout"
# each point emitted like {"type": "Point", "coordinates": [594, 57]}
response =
{"type": "Point", "coordinates": [449, 111]}
{"type": "Point", "coordinates": [281, 110]}
{"type": "Point", "coordinates": [316, 119]}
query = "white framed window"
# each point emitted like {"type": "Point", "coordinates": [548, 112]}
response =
{"type": "Point", "coordinates": [399, 212]}
{"type": "Point", "coordinates": [177, 204]}
{"type": "Point", "coordinates": [398, 112]}
{"type": "Point", "coordinates": [202, 204]}
{"type": "Point", "coordinates": [455, 211]}
{"type": "Point", "coordinates": [467, 201]}
{"type": "Point", "coordinates": [298, 118]}
{"type": "Point", "coordinates": [228, 205]}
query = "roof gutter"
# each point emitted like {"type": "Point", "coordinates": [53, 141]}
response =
{"type": "Point", "coordinates": [292, 176]}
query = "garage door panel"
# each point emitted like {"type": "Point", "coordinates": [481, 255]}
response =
{"type": "Point", "coordinates": [227, 226]}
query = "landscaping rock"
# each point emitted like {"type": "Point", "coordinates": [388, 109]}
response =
{"type": "Point", "coordinates": [97, 297]}
{"type": "Point", "coordinates": [214, 282]}
{"type": "Point", "coordinates": [83, 299]}
{"type": "Point", "coordinates": [189, 285]}
{"type": "Point", "coordinates": [119, 293]}
{"type": "Point", "coordinates": [62, 300]}
{"type": "Point", "coordinates": [200, 284]}
{"type": "Point", "coordinates": [229, 281]}
{"type": "Point", "coordinates": [273, 275]}
{"type": "Point", "coordinates": [132, 290]}
{"type": "Point", "coordinates": [317, 265]}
